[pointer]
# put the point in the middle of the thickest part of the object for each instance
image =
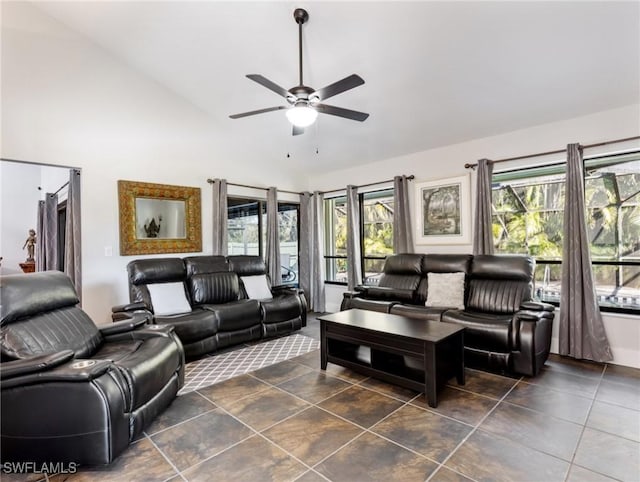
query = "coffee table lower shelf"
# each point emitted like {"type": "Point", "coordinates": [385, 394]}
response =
{"type": "Point", "coordinates": [418, 355]}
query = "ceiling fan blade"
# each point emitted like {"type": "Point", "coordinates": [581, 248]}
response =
{"type": "Point", "coordinates": [297, 131]}
{"type": "Point", "coordinates": [340, 86]}
{"type": "Point", "coordinates": [259, 111]}
{"type": "Point", "coordinates": [263, 81]}
{"type": "Point", "coordinates": [340, 112]}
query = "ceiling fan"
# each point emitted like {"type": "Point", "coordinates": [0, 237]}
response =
{"type": "Point", "coordinates": [305, 102]}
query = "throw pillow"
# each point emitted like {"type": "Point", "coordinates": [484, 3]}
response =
{"type": "Point", "coordinates": [445, 290]}
{"type": "Point", "coordinates": [257, 287]}
{"type": "Point", "coordinates": [168, 299]}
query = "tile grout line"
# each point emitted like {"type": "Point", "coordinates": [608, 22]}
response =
{"type": "Point", "coordinates": [474, 429]}
{"type": "Point", "coordinates": [584, 425]}
{"type": "Point", "coordinates": [166, 458]}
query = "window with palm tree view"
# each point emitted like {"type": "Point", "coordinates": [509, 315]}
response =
{"type": "Point", "coordinates": [528, 210]}
{"type": "Point", "coordinates": [376, 235]}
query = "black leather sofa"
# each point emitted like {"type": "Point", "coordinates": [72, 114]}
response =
{"type": "Point", "coordinates": [221, 314]}
{"type": "Point", "coordinates": [73, 391]}
{"type": "Point", "coordinates": [506, 329]}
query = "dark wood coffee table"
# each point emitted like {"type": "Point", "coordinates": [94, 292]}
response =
{"type": "Point", "coordinates": [417, 354]}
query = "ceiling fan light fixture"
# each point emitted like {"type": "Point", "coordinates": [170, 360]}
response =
{"type": "Point", "coordinates": [301, 115]}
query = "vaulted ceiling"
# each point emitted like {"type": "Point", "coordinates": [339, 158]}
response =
{"type": "Point", "coordinates": [436, 73]}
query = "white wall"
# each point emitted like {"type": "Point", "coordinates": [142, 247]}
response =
{"type": "Point", "coordinates": [623, 330]}
{"type": "Point", "coordinates": [18, 212]}
{"type": "Point", "coordinates": [66, 101]}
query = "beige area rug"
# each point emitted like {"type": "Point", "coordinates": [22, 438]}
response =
{"type": "Point", "coordinates": [216, 368]}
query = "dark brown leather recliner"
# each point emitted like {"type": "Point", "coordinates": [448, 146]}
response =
{"type": "Point", "coordinates": [72, 391]}
{"type": "Point", "coordinates": [286, 311]}
{"type": "Point", "coordinates": [505, 328]}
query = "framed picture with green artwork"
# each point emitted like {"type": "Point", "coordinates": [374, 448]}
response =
{"type": "Point", "coordinates": [443, 211]}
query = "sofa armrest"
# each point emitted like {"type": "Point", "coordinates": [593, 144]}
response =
{"type": "Point", "coordinates": [532, 315]}
{"type": "Point", "coordinates": [123, 326]}
{"type": "Point", "coordinates": [279, 289]}
{"type": "Point", "coordinates": [138, 305]}
{"type": "Point", "coordinates": [536, 306]}
{"type": "Point", "coordinates": [73, 370]}
{"type": "Point", "coordinates": [16, 368]}
{"type": "Point", "coordinates": [361, 289]}
{"type": "Point", "coordinates": [534, 330]}
{"type": "Point", "coordinates": [144, 333]}
{"type": "Point", "coordinates": [347, 296]}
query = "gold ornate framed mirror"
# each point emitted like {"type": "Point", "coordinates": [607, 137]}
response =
{"type": "Point", "coordinates": [159, 218]}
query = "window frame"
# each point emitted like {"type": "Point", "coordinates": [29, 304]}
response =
{"type": "Point", "coordinates": [262, 211]}
{"type": "Point", "coordinates": [557, 168]}
{"type": "Point", "coordinates": [329, 232]}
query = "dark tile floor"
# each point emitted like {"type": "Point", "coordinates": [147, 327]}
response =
{"type": "Point", "coordinates": [292, 421]}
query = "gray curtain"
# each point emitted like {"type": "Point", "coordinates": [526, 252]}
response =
{"type": "Point", "coordinates": [219, 217]}
{"type": "Point", "coordinates": [354, 270]}
{"type": "Point", "coordinates": [306, 243]}
{"type": "Point", "coordinates": [72, 233]}
{"type": "Point", "coordinates": [40, 264]}
{"type": "Point", "coordinates": [317, 294]}
{"type": "Point", "coordinates": [273, 238]}
{"type": "Point", "coordinates": [47, 237]}
{"type": "Point", "coordinates": [483, 232]}
{"type": "Point", "coordinates": [402, 235]}
{"type": "Point", "coordinates": [581, 333]}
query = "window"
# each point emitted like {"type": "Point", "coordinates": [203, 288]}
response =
{"type": "Point", "coordinates": [528, 210]}
{"type": "Point", "coordinates": [376, 235]}
{"type": "Point", "coordinates": [247, 232]}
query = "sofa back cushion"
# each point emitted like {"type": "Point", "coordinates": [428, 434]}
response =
{"type": "Point", "coordinates": [39, 315]}
{"type": "Point", "coordinates": [143, 272]}
{"type": "Point", "coordinates": [205, 264]}
{"type": "Point", "coordinates": [67, 328]}
{"type": "Point", "coordinates": [247, 265]}
{"type": "Point", "coordinates": [400, 278]}
{"type": "Point", "coordinates": [213, 288]}
{"type": "Point", "coordinates": [500, 283]}
{"type": "Point", "coordinates": [442, 263]}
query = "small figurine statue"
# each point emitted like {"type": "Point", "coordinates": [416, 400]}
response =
{"type": "Point", "coordinates": [152, 229]}
{"type": "Point", "coordinates": [30, 244]}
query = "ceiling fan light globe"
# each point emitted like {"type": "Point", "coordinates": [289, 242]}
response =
{"type": "Point", "coordinates": [302, 115]}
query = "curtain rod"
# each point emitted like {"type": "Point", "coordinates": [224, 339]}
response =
{"type": "Point", "coordinates": [210, 181]}
{"type": "Point", "coordinates": [61, 188]}
{"type": "Point", "coordinates": [558, 151]}
{"type": "Point", "coordinates": [410, 178]}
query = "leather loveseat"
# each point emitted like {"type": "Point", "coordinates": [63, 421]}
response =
{"type": "Point", "coordinates": [220, 313]}
{"type": "Point", "coordinates": [73, 391]}
{"type": "Point", "coordinates": [506, 329]}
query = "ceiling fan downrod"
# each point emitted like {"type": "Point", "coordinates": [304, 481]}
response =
{"type": "Point", "coordinates": [301, 16]}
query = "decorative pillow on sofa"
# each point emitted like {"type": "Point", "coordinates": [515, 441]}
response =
{"type": "Point", "coordinates": [257, 287]}
{"type": "Point", "coordinates": [168, 298]}
{"type": "Point", "coordinates": [445, 290]}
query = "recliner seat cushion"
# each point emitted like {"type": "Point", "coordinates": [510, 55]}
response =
{"type": "Point", "coordinates": [384, 293]}
{"type": "Point", "coordinates": [63, 329]}
{"type": "Point", "coordinates": [485, 331]}
{"type": "Point", "coordinates": [194, 326]}
{"type": "Point", "coordinates": [236, 315]}
{"type": "Point", "coordinates": [371, 305]}
{"type": "Point", "coordinates": [281, 308]}
{"type": "Point", "coordinates": [417, 311]}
